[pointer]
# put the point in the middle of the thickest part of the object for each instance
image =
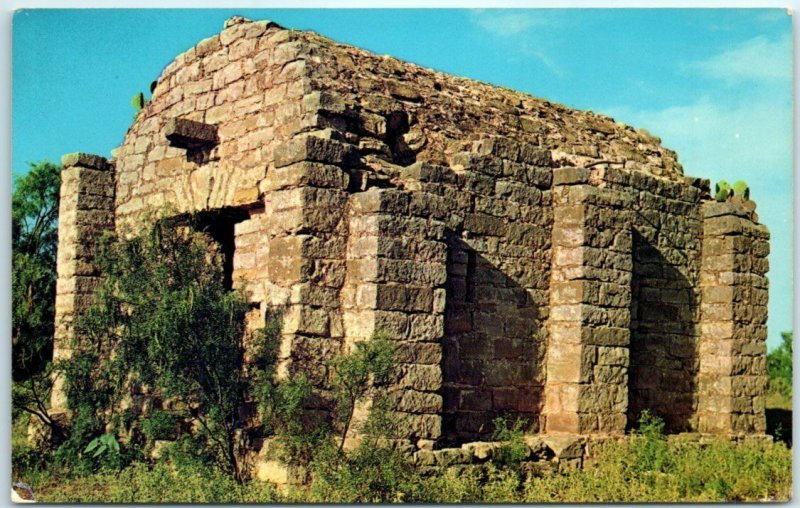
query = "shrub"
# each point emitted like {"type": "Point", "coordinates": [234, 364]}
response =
{"type": "Point", "coordinates": [354, 373]}
{"type": "Point", "coordinates": [159, 425]}
{"type": "Point", "coordinates": [717, 470]}
{"type": "Point", "coordinates": [174, 329]}
{"type": "Point", "coordinates": [372, 473]}
{"type": "Point", "coordinates": [779, 367]}
{"type": "Point", "coordinates": [649, 445]}
{"type": "Point", "coordinates": [34, 226]}
{"type": "Point", "coordinates": [513, 449]}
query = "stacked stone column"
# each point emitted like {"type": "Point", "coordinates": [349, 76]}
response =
{"type": "Point", "coordinates": [396, 270]}
{"type": "Point", "coordinates": [307, 243]}
{"type": "Point", "coordinates": [587, 355]}
{"type": "Point", "coordinates": [86, 211]}
{"type": "Point", "coordinates": [732, 377]}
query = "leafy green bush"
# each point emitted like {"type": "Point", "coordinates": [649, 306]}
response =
{"type": "Point", "coordinates": [648, 444]}
{"type": "Point", "coordinates": [104, 444]}
{"type": "Point", "coordinates": [160, 483]}
{"type": "Point", "coordinates": [138, 102]}
{"type": "Point", "coordinates": [513, 449]}
{"type": "Point", "coordinates": [779, 367]}
{"type": "Point", "coordinates": [372, 473]}
{"type": "Point", "coordinates": [722, 190]}
{"type": "Point", "coordinates": [741, 189]}
{"type": "Point", "coordinates": [34, 241]}
{"type": "Point", "coordinates": [159, 425]}
{"type": "Point", "coordinates": [447, 486]}
{"type": "Point", "coordinates": [354, 373]}
{"type": "Point", "coordinates": [174, 329]}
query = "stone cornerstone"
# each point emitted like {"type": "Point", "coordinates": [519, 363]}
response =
{"type": "Point", "coordinates": [528, 260]}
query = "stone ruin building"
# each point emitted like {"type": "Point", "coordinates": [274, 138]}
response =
{"type": "Point", "coordinates": [529, 260]}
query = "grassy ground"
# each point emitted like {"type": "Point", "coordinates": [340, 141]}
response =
{"type": "Point", "coordinates": [644, 469]}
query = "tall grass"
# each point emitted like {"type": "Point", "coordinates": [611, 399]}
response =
{"type": "Point", "coordinates": [645, 468]}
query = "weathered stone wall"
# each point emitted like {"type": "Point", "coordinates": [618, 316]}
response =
{"type": "Point", "coordinates": [588, 357]}
{"type": "Point", "coordinates": [732, 345]}
{"type": "Point", "coordinates": [667, 232]}
{"type": "Point", "coordinates": [394, 285]}
{"type": "Point", "coordinates": [86, 211]}
{"type": "Point", "coordinates": [530, 261]}
{"type": "Point", "coordinates": [223, 81]}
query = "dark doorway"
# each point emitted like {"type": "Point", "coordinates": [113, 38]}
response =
{"type": "Point", "coordinates": [663, 355]}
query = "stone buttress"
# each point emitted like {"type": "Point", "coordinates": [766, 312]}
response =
{"type": "Point", "coordinates": [529, 261]}
{"type": "Point", "coordinates": [86, 211]}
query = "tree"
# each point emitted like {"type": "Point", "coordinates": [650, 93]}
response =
{"type": "Point", "coordinates": [33, 279]}
{"type": "Point", "coordinates": [164, 323]}
{"type": "Point", "coordinates": [779, 366]}
{"type": "Point", "coordinates": [354, 373]}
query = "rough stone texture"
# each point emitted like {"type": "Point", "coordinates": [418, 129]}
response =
{"type": "Point", "coordinates": [529, 260]}
{"type": "Point", "coordinates": [185, 133]}
{"type": "Point", "coordinates": [86, 211]}
{"type": "Point", "coordinates": [590, 297]}
{"type": "Point", "coordinates": [732, 346]}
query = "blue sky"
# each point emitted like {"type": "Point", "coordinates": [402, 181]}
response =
{"type": "Point", "coordinates": [715, 85]}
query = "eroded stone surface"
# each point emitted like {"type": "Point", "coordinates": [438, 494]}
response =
{"type": "Point", "coordinates": [528, 260]}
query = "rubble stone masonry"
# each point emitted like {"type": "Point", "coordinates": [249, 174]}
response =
{"type": "Point", "coordinates": [529, 260]}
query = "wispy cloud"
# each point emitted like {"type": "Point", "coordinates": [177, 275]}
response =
{"type": "Point", "coordinates": [514, 25]}
{"type": "Point", "coordinates": [753, 139]}
{"type": "Point", "coordinates": [758, 59]}
{"type": "Point", "coordinates": [507, 22]}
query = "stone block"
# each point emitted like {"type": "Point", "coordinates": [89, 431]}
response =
{"type": "Point", "coordinates": [246, 196]}
{"type": "Point", "coordinates": [481, 450]}
{"type": "Point", "coordinates": [411, 401]}
{"type": "Point", "coordinates": [403, 91]}
{"type": "Point", "coordinates": [306, 174]}
{"type": "Point", "coordinates": [713, 209]}
{"type": "Point", "coordinates": [421, 425]}
{"type": "Point", "coordinates": [272, 471]}
{"type": "Point", "coordinates": [423, 172]}
{"type": "Point", "coordinates": [315, 149]}
{"type": "Point", "coordinates": [380, 201]}
{"type": "Point", "coordinates": [86, 160]}
{"type": "Point", "coordinates": [419, 353]}
{"type": "Point", "coordinates": [184, 133]}
{"type": "Point", "coordinates": [564, 446]}
{"type": "Point", "coordinates": [424, 458]}
{"type": "Point", "coordinates": [403, 298]}
{"type": "Point", "coordinates": [570, 176]}
{"type": "Point", "coordinates": [451, 456]}
{"type": "Point", "coordinates": [501, 147]}
{"type": "Point", "coordinates": [426, 378]}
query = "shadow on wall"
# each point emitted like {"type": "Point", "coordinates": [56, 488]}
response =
{"type": "Point", "coordinates": [492, 360]}
{"type": "Point", "coordinates": [663, 350]}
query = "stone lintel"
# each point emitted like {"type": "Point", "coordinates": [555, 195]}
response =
{"type": "Point", "coordinates": [86, 160]}
{"type": "Point", "coordinates": [184, 133]}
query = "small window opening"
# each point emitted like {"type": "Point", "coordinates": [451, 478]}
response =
{"type": "Point", "coordinates": [220, 226]}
